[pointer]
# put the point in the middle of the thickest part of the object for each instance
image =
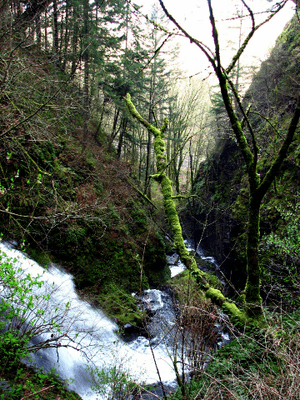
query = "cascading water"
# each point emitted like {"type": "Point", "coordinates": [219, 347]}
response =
{"type": "Point", "coordinates": [97, 342]}
{"type": "Point", "coordinates": [176, 266]}
{"type": "Point", "coordinates": [88, 337]}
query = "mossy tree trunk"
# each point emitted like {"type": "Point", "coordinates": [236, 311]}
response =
{"type": "Point", "coordinates": [166, 189]}
{"type": "Point", "coordinates": [252, 288]}
{"type": "Point", "coordinates": [172, 215]}
{"type": "Point", "coordinates": [258, 187]}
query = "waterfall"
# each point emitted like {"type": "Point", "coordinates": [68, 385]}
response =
{"type": "Point", "coordinates": [96, 340]}
{"type": "Point", "coordinates": [89, 339]}
{"type": "Point", "coordinates": [176, 266]}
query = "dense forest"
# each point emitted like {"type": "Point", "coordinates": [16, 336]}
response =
{"type": "Point", "coordinates": [111, 156]}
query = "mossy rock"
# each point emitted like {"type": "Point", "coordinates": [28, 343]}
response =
{"type": "Point", "coordinates": [120, 306]}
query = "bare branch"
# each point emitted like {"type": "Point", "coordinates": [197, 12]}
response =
{"type": "Point", "coordinates": [252, 31]}
{"type": "Point", "coordinates": [245, 119]}
{"type": "Point", "coordinates": [33, 394]}
{"type": "Point", "coordinates": [157, 51]}
{"type": "Point", "coordinates": [206, 50]}
{"type": "Point", "coordinates": [214, 33]}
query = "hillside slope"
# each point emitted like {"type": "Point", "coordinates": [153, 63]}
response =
{"type": "Point", "coordinates": [70, 200]}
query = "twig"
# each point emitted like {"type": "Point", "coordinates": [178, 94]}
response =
{"type": "Point", "coordinates": [33, 394]}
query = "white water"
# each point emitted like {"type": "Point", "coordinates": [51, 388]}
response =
{"type": "Point", "coordinates": [97, 343]}
{"type": "Point", "coordinates": [97, 335]}
{"type": "Point", "coordinates": [176, 266]}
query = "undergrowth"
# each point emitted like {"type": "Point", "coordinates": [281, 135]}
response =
{"type": "Point", "coordinates": [254, 365]}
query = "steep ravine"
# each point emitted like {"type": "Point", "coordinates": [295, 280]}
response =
{"type": "Point", "coordinates": [221, 182]}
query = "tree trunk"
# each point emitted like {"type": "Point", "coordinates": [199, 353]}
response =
{"type": "Point", "coordinates": [258, 188]}
{"type": "Point", "coordinates": [121, 136]}
{"type": "Point", "coordinates": [74, 40]}
{"type": "Point", "coordinates": [55, 32]}
{"type": "Point", "coordinates": [114, 128]}
{"type": "Point", "coordinates": [38, 31]}
{"type": "Point", "coordinates": [252, 288]}
{"type": "Point", "coordinates": [66, 36]}
{"type": "Point", "coordinates": [86, 74]}
{"type": "Point", "coordinates": [147, 172]}
{"type": "Point", "coordinates": [46, 32]}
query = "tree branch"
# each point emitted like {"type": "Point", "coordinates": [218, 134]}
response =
{"type": "Point", "coordinates": [206, 50]}
{"type": "Point", "coordinates": [245, 119]}
{"type": "Point", "coordinates": [33, 394]}
{"type": "Point", "coordinates": [251, 33]}
{"type": "Point", "coordinates": [215, 34]}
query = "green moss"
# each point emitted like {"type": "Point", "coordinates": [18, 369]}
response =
{"type": "Point", "coordinates": [120, 305]}
{"type": "Point", "coordinates": [236, 314]}
{"type": "Point", "coordinates": [213, 280]}
{"type": "Point", "coordinates": [171, 212]}
{"type": "Point", "coordinates": [186, 289]}
{"type": "Point", "coordinates": [38, 255]}
{"type": "Point", "coordinates": [216, 295]}
{"type": "Point", "coordinates": [230, 308]}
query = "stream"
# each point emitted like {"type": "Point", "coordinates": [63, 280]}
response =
{"type": "Point", "coordinates": [98, 343]}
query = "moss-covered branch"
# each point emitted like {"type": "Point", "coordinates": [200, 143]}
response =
{"type": "Point", "coordinates": [172, 216]}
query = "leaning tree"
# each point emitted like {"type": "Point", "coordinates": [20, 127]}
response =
{"type": "Point", "coordinates": [172, 216]}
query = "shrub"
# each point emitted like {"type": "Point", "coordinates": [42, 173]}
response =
{"type": "Point", "coordinates": [31, 308]}
{"type": "Point", "coordinates": [114, 383]}
{"type": "Point", "coordinates": [259, 365]}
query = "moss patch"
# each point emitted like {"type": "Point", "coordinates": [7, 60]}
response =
{"type": "Point", "coordinates": [120, 306]}
{"type": "Point", "coordinates": [186, 288]}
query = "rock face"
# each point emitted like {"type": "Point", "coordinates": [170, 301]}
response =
{"type": "Point", "coordinates": [220, 181]}
{"type": "Point", "coordinates": [221, 184]}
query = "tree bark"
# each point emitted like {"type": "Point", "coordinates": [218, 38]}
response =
{"type": "Point", "coordinates": [55, 32]}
